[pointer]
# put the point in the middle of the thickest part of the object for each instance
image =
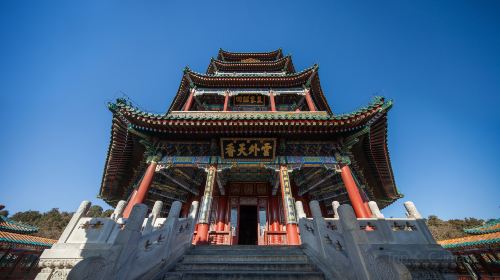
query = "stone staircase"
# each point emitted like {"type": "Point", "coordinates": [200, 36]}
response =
{"type": "Point", "coordinates": [244, 262]}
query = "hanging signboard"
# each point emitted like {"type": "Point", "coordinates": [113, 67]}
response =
{"type": "Point", "coordinates": [248, 148]}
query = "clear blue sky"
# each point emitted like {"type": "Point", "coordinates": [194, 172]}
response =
{"type": "Point", "coordinates": [61, 61]}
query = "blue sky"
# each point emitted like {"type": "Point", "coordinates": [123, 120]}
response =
{"type": "Point", "coordinates": [61, 61]}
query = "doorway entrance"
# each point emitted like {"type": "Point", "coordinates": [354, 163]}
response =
{"type": "Point", "coordinates": [248, 225]}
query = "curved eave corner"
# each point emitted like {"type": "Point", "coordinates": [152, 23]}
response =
{"type": "Point", "coordinates": [379, 152]}
{"type": "Point", "coordinates": [118, 147]}
{"type": "Point", "coordinates": [372, 153]}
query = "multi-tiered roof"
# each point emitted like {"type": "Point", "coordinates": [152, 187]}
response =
{"type": "Point", "coordinates": [485, 237]}
{"type": "Point", "coordinates": [363, 133]}
{"type": "Point", "coordinates": [17, 234]}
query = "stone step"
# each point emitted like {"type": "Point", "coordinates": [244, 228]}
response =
{"type": "Point", "coordinates": [245, 251]}
{"type": "Point", "coordinates": [244, 262]}
{"type": "Point", "coordinates": [245, 247]}
{"type": "Point", "coordinates": [244, 258]}
{"type": "Point", "coordinates": [243, 275]}
{"type": "Point", "coordinates": [245, 266]}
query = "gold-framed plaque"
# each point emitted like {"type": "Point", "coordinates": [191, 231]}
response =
{"type": "Point", "coordinates": [248, 148]}
{"type": "Point", "coordinates": [249, 99]}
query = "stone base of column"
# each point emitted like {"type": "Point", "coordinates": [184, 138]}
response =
{"type": "Point", "coordinates": [202, 234]}
{"type": "Point", "coordinates": [292, 234]}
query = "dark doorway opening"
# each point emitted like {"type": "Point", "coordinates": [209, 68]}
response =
{"type": "Point", "coordinates": [248, 225]}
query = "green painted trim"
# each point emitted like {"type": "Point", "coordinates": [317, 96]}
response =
{"type": "Point", "coordinates": [472, 243]}
{"type": "Point", "coordinates": [27, 228]}
{"type": "Point", "coordinates": [9, 240]}
{"type": "Point", "coordinates": [122, 104]}
{"type": "Point", "coordinates": [483, 229]}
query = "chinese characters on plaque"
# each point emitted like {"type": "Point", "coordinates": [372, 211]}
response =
{"type": "Point", "coordinates": [248, 148]}
{"type": "Point", "coordinates": [249, 100]}
{"type": "Point", "coordinates": [207, 196]}
{"type": "Point", "coordinates": [289, 202]}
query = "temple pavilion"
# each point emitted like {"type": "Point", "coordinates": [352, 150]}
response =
{"type": "Point", "coordinates": [478, 253]}
{"type": "Point", "coordinates": [20, 249]}
{"type": "Point", "coordinates": [248, 138]}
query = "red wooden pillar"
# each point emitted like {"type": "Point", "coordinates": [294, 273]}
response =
{"type": "Point", "coordinates": [206, 204]}
{"type": "Point", "coordinates": [139, 195]}
{"type": "Point", "coordinates": [221, 221]}
{"type": "Point", "coordinates": [292, 234]}
{"type": "Point", "coordinates": [353, 193]}
{"type": "Point", "coordinates": [226, 101]}
{"type": "Point", "coordinates": [271, 102]}
{"type": "Point", "coordinates": [309, 101]}
{"type": "Point", "coordinates": [189, 101]}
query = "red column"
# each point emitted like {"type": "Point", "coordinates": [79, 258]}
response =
{"type": "Point", "coordinates": [292, 234]}
{"type": "Point", "coordinates": [189, 101]}
{"type": "Point", "coordinates": [353, 193]}
{"type": "Point", "coordinates": [310, 102]}
{"type": "Point", "coordinates": [271, 102]}
{"type": "Point", "coordinates": [202, 234]}
{"type": "Point", "coordinates": [143, 189]}
{"type": "Point", "coordinates": [221, 221]}
{"type": "Point", "coordinates": [226, 101]}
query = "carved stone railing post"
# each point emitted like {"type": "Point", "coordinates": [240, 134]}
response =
{"type": "Point", "coordinates": [375, 210]}
{"type": "Point", "coordinates": [128, 238]}
{"type": "Point", "coordinates": [412, 210]}
{"type": "Point", "coordinates": [193, 210]}
{"type": "Point", "coordinates": [335, 206]}
{"type": "Point", "coordinates": [299, 208]}
{"type": "Point", "coordinates": [351, 234]}
{"type": "Point", "coordinates": [319, 226]}
{"type": "Point", "coordinates": [155, 213]}
{"type": "Point", "coordinates": [82, 210]}
{"type": "Point", "coordinates": [118, 213]}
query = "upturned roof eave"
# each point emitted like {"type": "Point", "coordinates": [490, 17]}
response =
{"type": "Point", "coordinates": [9, 225]}
{"type": "Point", "coordinates": [126, 109]}
{"type": "Point", "coordinates": [24, 239]}
{"type": "Point", "coordinates": [273, 65]}
{"type": "Point", "coordinates": [473, 241]}
{"type": "Point", "coordinates": [126, 116]}
{"type": "Point", "coordinates": [304, 78]}
{"type": "Point", "coordinates": [223, 54]}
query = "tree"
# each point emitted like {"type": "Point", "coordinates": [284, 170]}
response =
{"type": "Point", "coordinates": [52, 223]}
{"type": "Point", "coordinates": [95, 211]}
{"type": "Point", "coordinates": [452, 228]}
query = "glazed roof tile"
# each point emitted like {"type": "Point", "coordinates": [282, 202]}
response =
{"type": "Point", "coordinates": [24, 239]}
{"type": "Point", "coordinates": [488, 227]}
{"type": "Point", "coordinates": [308, 78]}
{"type": "Point", "coordinates": [281, 64]}
{"type": "Point", "coordinates": [235, 56]}
{"type": "Point", "coordinates": [124, 107]}
{"type": "Point", "coordinates": [302, 74]}
{"type": "Point", "coordinates": [124, 145]}
{"type": "Point", "coordinates": [7, 224]}
{"type": "Point", "coordinates": [481, 240]}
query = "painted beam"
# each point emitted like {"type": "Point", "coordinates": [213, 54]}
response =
{"type": "Point", "coordinates": [317, 183]}
{"type": "Point", "coordinates": [181, 184]}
